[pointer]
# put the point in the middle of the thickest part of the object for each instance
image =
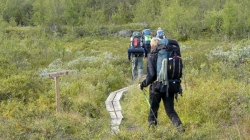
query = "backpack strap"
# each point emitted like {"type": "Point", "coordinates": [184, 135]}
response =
{"type": "Point", "coordinates": [175, 80]}
{"type": "Point", "coordinates": [162, 44]}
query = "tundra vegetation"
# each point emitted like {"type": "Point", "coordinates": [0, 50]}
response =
{"type": "Point", "coordinates": [42, 36]}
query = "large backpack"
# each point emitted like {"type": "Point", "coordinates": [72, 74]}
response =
{"type": "Point", "coordinates": [160, 34]}
{"type": "Point", "coordinates": [136, 44]}
{"type": "Point", "coordinates": [169, 66]}
{"type": "Point", "coordinates": [147, 36]}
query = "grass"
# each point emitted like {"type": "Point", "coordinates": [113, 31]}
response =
{"type": "Point", "coordinates": [214, 105]}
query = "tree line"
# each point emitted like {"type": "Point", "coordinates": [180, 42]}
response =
{"type": "Point", "coordinates": [227, 19]}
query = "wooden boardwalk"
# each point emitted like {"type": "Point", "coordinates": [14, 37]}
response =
{"type": "Point", "coordinates": [114, 108]}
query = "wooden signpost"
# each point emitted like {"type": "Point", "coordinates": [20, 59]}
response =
{"type": "Point", "coordinates": [56, 76]}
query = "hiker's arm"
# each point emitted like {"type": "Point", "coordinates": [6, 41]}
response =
{"type": "Point", "coordinates": [151, 72]}
{"type": "Point", "coordinates": [145, 50]}
{"type": "Point", "coordinates": [129, 56]}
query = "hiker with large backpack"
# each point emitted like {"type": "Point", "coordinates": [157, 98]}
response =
{"type": "Point", "coordinates": [147, 38]}
{"type": "Point", "coordinates": [138, 51]}
{"type": "Point", "coordinates": [164, 70]}
{"type": "Point", "coordinates": [160, 33]}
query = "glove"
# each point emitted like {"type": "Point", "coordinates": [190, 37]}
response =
{"type": "Point", "coordinates": [140, 86]}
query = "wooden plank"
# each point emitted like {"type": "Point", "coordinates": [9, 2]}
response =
{"type": "Point", "coordinates": [56, 74]}
{"type": "Point", "coordinates": [123, 89]}
{"type": "Point", "coordinates": [116, 121]}
{"type": "Point", "coordinates": [114, 107]}
{"type": "Point", "coordinates": [117, 106]}
{"type": "Point", "coordinates": [118, 96]}
{"type": "Point", "coordinates": [113, 115]}
{"type": "Point", "coordinates": [119, 114]}
{"type": "Point", "coordinates": [109, 106]}
{"type": "Point", "coordinates": [111, 97]}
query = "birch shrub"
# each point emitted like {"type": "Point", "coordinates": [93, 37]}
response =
{"type": "Point", "coordinates": [234, 60]}
{"type": "Point", "coordinates": [215, 101]}
{"type": "Point", "coordinates": [27, 98]}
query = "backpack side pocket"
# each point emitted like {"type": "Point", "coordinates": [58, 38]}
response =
{"type": "Point", "coordinates": [174, 87]}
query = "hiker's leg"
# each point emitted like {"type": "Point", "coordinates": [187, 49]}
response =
{"type": "Point", "coordinates": [140, 67]}
{"type": "Point", "coordinates": [149, 48]}
{"type": "Point", "coordinates": [169, 108]}
{"type": "Point", "coordinates": [154, 100]}
{"type": "Point", "coordinates": [134, 67]}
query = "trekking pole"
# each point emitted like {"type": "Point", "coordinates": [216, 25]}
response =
{"type": "Point", "coordinates": [150, 106]}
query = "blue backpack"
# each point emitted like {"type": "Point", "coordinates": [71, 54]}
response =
{"type": "Point", "coordinates": [160, 34]}
{"type": "Point", "coordinates": [146, 32]}
{"type": "Point", "coordinates": [147, 36]}
{"type": "Point", "coordinates": [169, 66]}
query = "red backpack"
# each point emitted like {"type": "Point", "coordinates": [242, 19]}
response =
{"type": "Point", "coordinates": [136, 45]}
{"type": "Point", "coordinates": [136, 41]}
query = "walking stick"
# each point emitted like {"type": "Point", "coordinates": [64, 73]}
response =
{"type": "Point", "coordinates": [149, 105]}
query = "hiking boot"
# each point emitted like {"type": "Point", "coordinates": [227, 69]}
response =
{"type": "Point", "coordinates": [180, 129]}
{"type": "Point", "coordinates": [177, 123]}
{"type": "Point", "coordinates": [152, 124]}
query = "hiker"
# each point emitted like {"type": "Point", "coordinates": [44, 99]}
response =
{"type": "Point", "coordinates": [138, 51]}
{"type": "Point", "coordinates": [147, 38]}
{"type": "Point", "coordinates": [160, 33]}
{"type": "Point", "coordinates": [156, 96]}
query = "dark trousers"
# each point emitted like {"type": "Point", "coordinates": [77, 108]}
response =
{"type": "Point", "coordinates": [148, 47]}
{"type": "Point", "coordinates": [155, 99]}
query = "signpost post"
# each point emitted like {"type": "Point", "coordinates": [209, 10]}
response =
{"type": "Point", "coordinates": [56, 76]}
